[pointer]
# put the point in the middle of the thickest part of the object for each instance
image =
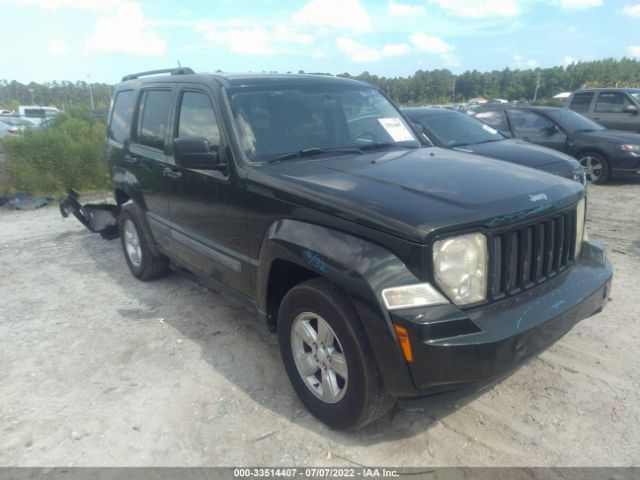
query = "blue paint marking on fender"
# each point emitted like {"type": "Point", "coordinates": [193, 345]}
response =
{"type": "Point", "coordinates": [518, 214]}
{"type": "Point", "coordinates": [315, 261]}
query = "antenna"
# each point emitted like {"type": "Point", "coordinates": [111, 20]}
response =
{"type": "Point", "coordinates": [179, 66]}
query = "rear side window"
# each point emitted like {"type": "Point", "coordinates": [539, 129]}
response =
{"type": "Point", "coordinates": [529, 123]}
{"type": "Point", "coordinates": [581, 101]}
{"type": "Point", "coordinates": [611, 103]}
{"type": "Point", "coordinates": [494, 119]}
{"type": "Point", "coordinates": [153, 118]}
{"type": "Point", "coordinates": [197, 118]}
{"type": "Point", "coordinates": [120, 125]}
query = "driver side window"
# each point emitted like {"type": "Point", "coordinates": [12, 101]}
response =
{"type": "Point", "coordinates": [530, 124]}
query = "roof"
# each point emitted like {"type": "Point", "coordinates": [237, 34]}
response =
{"type": "Point", "coordinates": [608, 89]}
{"type": "Point", "coordinates": [535, 108]}
{"type": "Point", "coordinates": [238, 79]}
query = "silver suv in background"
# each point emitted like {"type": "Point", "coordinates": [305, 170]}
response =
{"type": "Point", "coordinates": [613, 108]}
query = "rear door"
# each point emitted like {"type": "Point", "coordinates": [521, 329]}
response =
{"type": "Point", "coordinates": [609, 111]}
{"type": "Point", "coordinates": [147, 157]}
{"type": "Point", "coordinates": [209, 217]}
{"type": "Point", "coordinates": [581, 102]}
{"type": "Point", "coordinates": [536, 128]}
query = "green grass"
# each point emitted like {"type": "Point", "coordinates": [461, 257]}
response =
{"type": "Point", "coordinates": [69, 154]}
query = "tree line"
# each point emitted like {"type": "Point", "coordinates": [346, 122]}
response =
{"type": "Point", "coordinates": [423, 87]}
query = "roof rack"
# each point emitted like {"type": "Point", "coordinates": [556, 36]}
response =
{"type": "Point", "coordinates": [172, 71]}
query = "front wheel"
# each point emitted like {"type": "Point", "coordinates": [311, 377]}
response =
{"type": "Point", "coordinates": [328, 358]}
{"type": "Point", "coordinates": [596, 168]}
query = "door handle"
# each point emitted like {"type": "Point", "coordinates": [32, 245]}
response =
{"type": "Point", "coordinates": [596, 118]}
{"type": "Point", "coordinates": [130, 159]}
{"type": "Point", "coordinates": [171, 173]}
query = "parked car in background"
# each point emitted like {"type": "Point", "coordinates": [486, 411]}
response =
{"type": "Point", "coordinates": [602, 153]}
{"type": "Point", "coordinates": [37, 113]}
{"type": "Point", "coordinates": [459, 131]}
{"type": "Point", "coordinates": [13, 125]}
{"type": "Point", "coordinates": [613, 108]}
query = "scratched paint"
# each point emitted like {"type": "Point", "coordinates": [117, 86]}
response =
{"type": "Point", "coordinates": [518, 214]}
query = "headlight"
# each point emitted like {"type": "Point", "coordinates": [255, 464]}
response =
{"type": "Point", "coordinates": [460, 267]}
{"type": "Point", "coordinates": [630, 147]}
{"type": "Point", "coordinates": [580, 214]}
{"type": "Point", "coordinates": [410, 296]}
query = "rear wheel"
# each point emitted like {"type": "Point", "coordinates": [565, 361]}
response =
{"type": "Point", "coordinates": [142, 262]}
{"type": "Point", "coordinates": [328, 358]}
{"type": "Point", "coordinates": [596, 167]}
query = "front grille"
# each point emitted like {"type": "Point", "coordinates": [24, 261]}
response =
{"type": "Point", "coordinates": [576, 175]}
{"type": "Point", "coordinates": [525, 256]}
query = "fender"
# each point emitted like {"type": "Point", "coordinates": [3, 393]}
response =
{"type": "Point", "coordinates": [123, 179]}
{"type": "Point", "coordinates": [360, 268]}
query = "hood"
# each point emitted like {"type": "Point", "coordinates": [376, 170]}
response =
{"type": "Point", "coordinates": [611, 136]}
{"type": "Point", "coordinates": [520, 152]}
{"type": "Point", "coordinates": [413, 193]}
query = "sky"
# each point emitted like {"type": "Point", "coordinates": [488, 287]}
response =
{"type": "Point", "coordinates": [102, 40]}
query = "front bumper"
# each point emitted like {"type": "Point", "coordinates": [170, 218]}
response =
{"type": "Point", "coordinates": [456, 349]}
{"type": "Point", "coordinates": [626, 163]}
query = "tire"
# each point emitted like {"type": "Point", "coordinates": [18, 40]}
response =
{"type": "Point", "coordinates": [596, 167]}
{"type": "Point", "coordinates": [142, 262]}
{"type": "Point", "coordinates": [353, 395]}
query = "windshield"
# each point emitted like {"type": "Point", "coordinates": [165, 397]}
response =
{"type": "Point", "coordinates": [635, 95]}
{"type": "Point", "coordinates": [457, 129]}
{"type": "Point", "coordinates": [276, 120]}
{"type": "Point", "coordinates": [572, 121]}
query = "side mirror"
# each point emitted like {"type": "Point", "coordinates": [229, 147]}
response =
{"type": "Point", "coordinates": [196, 153]}
{"type": "Point", "coordinates": [630, 109]}
{"type": "Point", "coordinates": [551, 130]}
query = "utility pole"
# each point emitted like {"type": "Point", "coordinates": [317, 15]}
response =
{"type": "Point", "coordinates": [93, 107]}
{"type": "Point", "coordinates": [454, 88]}
{"type": "Point", "coordinates": [33, 102]}
{"type": "Point", "coordinates": [535, 94]}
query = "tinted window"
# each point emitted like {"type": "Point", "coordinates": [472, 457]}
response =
{"type": "Point", "coordinates": [611, 103]}
{"type": "Point", "coordinates": [197, 118]}
{"type": "Point", "coordinates": [458, 129]}
{"type": "Point", "coordinates": [529, 123]}
{"type": "Point", "coordinates": [121, 117]}
{"type": "Point", "coordinates": [494, 119]}
{"type": "Point", "coordinates": [153, 118]}
{"type": "Point", "coordinates": [581, 102]}
{"type": "Point", "coordinates": [273, 121]}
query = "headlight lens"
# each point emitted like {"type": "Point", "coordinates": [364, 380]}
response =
{"type": "Point", "coordinates": [630, 147]}
{"type": "Point", "coordinates": [460, 267]}
{"type": "Point", "coordinates": [410, 296]}
{"type": "Point", "coordinates": [580, 231]}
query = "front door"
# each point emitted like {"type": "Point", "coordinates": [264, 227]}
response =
{"type": "Point", "coordinates": [609, 111]}
{"type": "Point", "coordinates": [209, 219]}
{"type": "Point", "coordinates": [538, 129]}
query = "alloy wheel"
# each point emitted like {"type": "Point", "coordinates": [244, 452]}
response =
{"type": "Point", "coordinates": [319, 357]}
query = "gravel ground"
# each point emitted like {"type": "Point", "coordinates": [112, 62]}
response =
{"type": "Point", "coordinates": [98, 369]}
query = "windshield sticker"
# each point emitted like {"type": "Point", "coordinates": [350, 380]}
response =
{"type": "Point", "coordinates": [492, 131]}
{"type": "Point", "coordinates": [396, 129]}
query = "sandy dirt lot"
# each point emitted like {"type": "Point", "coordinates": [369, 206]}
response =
{"type": "Point", "coordinates": [97, 369]}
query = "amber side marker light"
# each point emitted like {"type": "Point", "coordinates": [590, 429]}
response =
{"type": "Point", "coordinates": [403, 338]}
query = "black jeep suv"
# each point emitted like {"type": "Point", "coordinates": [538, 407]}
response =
{"type": "Point", "coordinates": [390, 271]}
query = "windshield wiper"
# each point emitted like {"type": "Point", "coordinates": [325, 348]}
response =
{"type": "Point", "coordinates": [309, 152]}
{"type": "Point", "coordinates": [377, 145]}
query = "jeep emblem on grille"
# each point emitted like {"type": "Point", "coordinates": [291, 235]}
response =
{"type": "Point", "coordinates": [537, 197]}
